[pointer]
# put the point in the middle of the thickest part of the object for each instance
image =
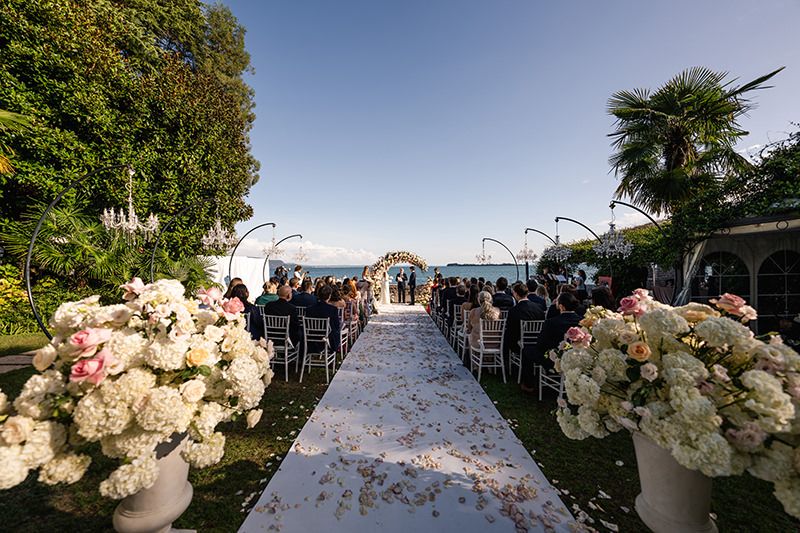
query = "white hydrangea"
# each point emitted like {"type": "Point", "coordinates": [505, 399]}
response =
{"type": "Point", "coordinates": [683, 369]}
{"type": "Point", "coordinates": [241, 370]}
{"type": "Point", "coordinates": [110, 316]}
{"type": "Point", "coordinates": [64, 468]}
{"type": "Point", "coordinates": [16, 429]}
{"type": "Point", "coordinates": [205, 453]}
{"type": "Point", "coordinates": [205, 318]}
{"type": "Point", "coordinates": [129, 346]}
{"type": "Point", "coordinates": [167, 354]}
{"type": "Point", "coordinates": [206, 420]}
{"type": "Point", "coordinates": [131, 478]}
{"type": "Point", "coordinates": [130, 388]}
{"type": "Point", "coordinates": [164, 411]}
{"type": "Point", "coordinates": [581, 389]}
{"type": "Point", "coordinates": [569, 425]}
{"type": "Point", "coordinates": [3, 403]}
{"type": "Point", "coordinates": [34, 400]}
{"type": "Point", "coordinates": [720, 332]}
{"type": "Point", "coordinates": [661, 326]}
{"type": "Point", "coordinates": [72, 316]}
{"type": "Point", "coordinates": [766, 398]}
{"type": "Point", "coordinates": [614, 363]}
{"type": "Point", "coordinates": [97, 416]}
{"type": "Point", "coordinates": [133, 442]}
{"type": "Point", "coordinates": [13, 470]}
{"type": "Point", "coordinates": [788, 493]}
{"type": "Point", "coordinates": [589, 421]}
{"type": "Point", "coordinates": [709, 453]}
{"type": "Point", "coordinates": [606, 331]}
{"type": "Point", "coordinates": [163, 291]}
{"type": "Point", "coordinates": [44, 442]}
{"type": "Point", "coordinates": [773, 464]}
{"type": "Point", "coordinates": [578, 358]}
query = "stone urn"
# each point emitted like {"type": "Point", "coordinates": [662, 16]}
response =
{"type": "Point", "coordinates": [153, 510]}
{"type": "Point", "coordinates": [674, 499]}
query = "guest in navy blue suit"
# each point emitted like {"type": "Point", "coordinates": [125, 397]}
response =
{"type": "Point", "coordinates": [282, 307]}
{"type": "Point", "coordinates": [323, 309]}
{"type": "Point", "coordinates": [501, 299]}
{"type": "Point", "coordinates": [305, 298]}
{"type": "Point", "coordinates": [532, 296]}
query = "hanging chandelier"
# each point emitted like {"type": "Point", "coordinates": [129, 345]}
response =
{"type": "Point", "coordinates": [273, 250]}
{"type": "Point", "coordinates": [218, 238]}
{"type": "Point", "coordinates": [558, 252]}
{"type": "Point", "coordinates": [613, 243]}
{"type": "Point", "coordinates": [526, 255]}
{"type": "Point", "coordinates": [483, 258]}
{"type": "Point", "coordinates": [127, 222]}
{"type": "Point", "coordinates": [301, 256]}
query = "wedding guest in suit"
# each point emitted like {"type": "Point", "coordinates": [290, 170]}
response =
{"type": "Point", "coordinates": [412, 285]}
{"type": "Point", "coordinates": [448, 294]}
{"type": "Point", "coordinates": [534, 293]}
{"type": "Point", "coordinates": [524, 309]}
{"type": "Point", "coordinates": [305, 298]}
{"type": "Point", "coordinates": [270, 293]}
{"type": "Point", "coordinates": [401, 286]}
{"type": "Point", "coordinates": [553, 310]}
{"type": "Point", "coordinates": [459, 299]}
{"type": "Point", "coordinates": [502, 300]}
{"type": "Point", "coordinates": [254, 324]}
{"type": "Point", "coordinates": [324, 309]}
{"type": "Point", "coordinates": [282, 307]}
{"type": "Point", "coordinates": [294, 284]}
{"type": "Point", "coordinates": [552, 334]}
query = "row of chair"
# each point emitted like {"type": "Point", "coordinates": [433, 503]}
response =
{"type": "Point", "coordinates": [488, 353]}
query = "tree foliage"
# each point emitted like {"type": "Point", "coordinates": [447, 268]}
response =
{"type": "Point", "coordinates": [157, 85]}
{"type": "Point", "coordinates": [680, 138]}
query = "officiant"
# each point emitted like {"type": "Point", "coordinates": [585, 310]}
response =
{"type": "Point", "coordinates": [401, 286]}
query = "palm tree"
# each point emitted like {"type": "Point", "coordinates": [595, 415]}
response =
{"type": "Point", "coordinates": [14, 122]}
{"type": "Point", "coordinates": [679, 138]}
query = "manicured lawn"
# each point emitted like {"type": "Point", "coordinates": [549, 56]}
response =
{"type": "Point", "coordinates": [17, 344]}
{"type": "Point", "coordinates": [584, 468]}
{"type": "Point", "coordinates": [251, 458]}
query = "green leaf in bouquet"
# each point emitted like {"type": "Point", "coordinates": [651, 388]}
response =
{"type": "Point", "coordinates": [204, 370]}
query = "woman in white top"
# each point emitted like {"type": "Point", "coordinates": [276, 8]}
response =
{"type": "Point", "coordinates": [485, 311]}
{"type": "Point", "coordinates": [298, 272]}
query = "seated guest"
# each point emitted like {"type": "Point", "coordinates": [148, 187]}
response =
{"type": "Point", "coordinates": [459, 299]}
{"type": "Point", "coordinates": [472, 301]}
{"type": "Point", "coordinates": [254, 324]}
{"type": "Point", "coordinates": [485, 311]}
{"type": "Point", "coordinates": [234, 282]}
{"type": "Point", "coordinates": [282, 307]}
{"type": "Point", "coordinates": [553, 311]}
{"type": "Point", "coordinates": [305, 297]}
{"type": "Point", "coordinates": [533, 293]}
{"type": "Point", "coordinates": [541, 292]}
{"type": "Point", "coordinates": [324, 309]}
{"type": "Point", "coordinates": [270, 294]}
{"type": "Point", "coordinates": [501, 299]}
{"type": "Point", "coordinates": [448, 294]}
{"type": "Point", "coordinates": [602, 296]}
{"type": "Point", "coordinates": [552, 334]}
{"type": "Point", "coordinates": [524, 310]}
{"type": "Point", "coordinates": [336, 297]}
{"type": "Point", "coordinates": [294, 284]}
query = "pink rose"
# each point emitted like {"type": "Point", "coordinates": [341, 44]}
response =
{"type": "Point", "coordinates": [630, 306]}
{"type": "Point", "coordinates": [92, 370]}
{"type": "Point", "coordinates": [735, 305]}
{"type": "Point", "coordinates": [578, 337]}
{"type": "Point", "coordinates": [133, 288]}
{"type": "Point", "coordinates": [748, 438]}
{"type": "Point", "coordinates": [209, 296]}
{"type": "Point", "coordinates": [85, 342]}
{"type": "Point", "coordinates": [748, 314]}
{"type": "Point", "coordinates": [643, 295]}
{"type": "Point", "coordinates": [232, 307]}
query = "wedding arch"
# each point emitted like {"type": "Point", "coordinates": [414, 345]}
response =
{"type": "Point", "coordinates": [391, 259]}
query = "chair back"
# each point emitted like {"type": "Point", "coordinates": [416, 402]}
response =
{"type": "Point", "coordinates": [276, 329]}
{"type": "Point", "coordinates": [315, 332]}
{"type": "Point", "coordinates": [458, 316]}
{"type": "Point", "coordinates": [341, 313]}
{"type": "Point", "coordinates": [504, 314]}
{"type": "Point", "coordinates": [529, 332]}
{"type": "Point", "coordinates": [301, 311]}
{"type": "Point", "coordinates": [260, 308]}
{"type": "Point", "coordinates": [491, 333]}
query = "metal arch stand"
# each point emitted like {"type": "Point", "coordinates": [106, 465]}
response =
{"type": "Point", "coordinates": [527, 273]}
{"type": "Point", "coordinates": [266, 259]}
{"type": "Point", "coordinates": [158, 240]}
{"type": "Point", "coordinates": [507, 249]}
{"type": "Point", "coordinates": [587, 228]}
{"type": "Point", "coordinates": [38, 228]}
{"type": "Point", "coordinates": [651, 219]}
{"type": "Point", "coordinates": [230, 263]}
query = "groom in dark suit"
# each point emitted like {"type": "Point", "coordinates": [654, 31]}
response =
{"type": "Point", "coordinates": [401, 287]}
{"type": "Point", "coordinates": [412, 284]}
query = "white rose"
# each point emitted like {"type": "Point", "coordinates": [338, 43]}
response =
{"type": "Point", "coordinates": [44, 357]}
{"type": "Point", "coordinates": [3, 403]}
{"type": "Point", "coordinates": [214, 333]}
{"type": "Point", "coordinates": [649, 371]}
{"type": "Point", "coordinates": [253, 417]}
{"type": "Point", "coordinates": [193, 391]}
{"type": "Point", "coordinates": [17, 429]}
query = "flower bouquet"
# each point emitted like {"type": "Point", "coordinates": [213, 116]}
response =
{"type": "Point", "coordinates": [694, 380]}
{"type": "Point", "coordinates": [130, 376]}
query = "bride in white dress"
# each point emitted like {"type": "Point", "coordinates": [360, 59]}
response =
{"type": "Point", "coordinates": [386, 296]}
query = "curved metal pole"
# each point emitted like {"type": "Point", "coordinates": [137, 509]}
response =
{"type": "Point", "coordinates": [36, 234]}
{"type": "Point", "coordinates": [541, 233]}
{"type": "Point", "coordinates": [509, 251]}
{"type": "Point", "coordinates": [230, 263]}
{"type": "Point", "coordinates": [651, 219]}
{"type": "Point", "coordinates": [266, 260]}
{"type": "Point", "coordinates": [580, 224]}
{"type": "Point", "coordinates": [158, 240]}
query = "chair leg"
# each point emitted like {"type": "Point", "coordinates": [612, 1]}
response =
{"type": "Point", "coordinates": [540, 386]}
{"type": "Point", "coordinates": [327, 377]}
{"type": "Point", "coordinates": [503, 368]}
{"type": "Point", "coordinates": [480, 367]}
{"type": "Point", "coordinates": [303, 367]}
{"type": "Point", "coordinates": [519, 375]}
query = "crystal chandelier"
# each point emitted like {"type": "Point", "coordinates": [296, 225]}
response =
{"type": "Point", "coordinates": [613, 243]}
{"type": "Point", "coordinates": [482, 258]}
{"type": "Point", "coordinates": [272, 250]}
{"type": "Point", "coordinates": [218, 238]}
{"type": "Point", "coordinates": [301, 256]}
{"type": "Point", "coordinates": [526, 255]}
{"type": "Point", "coordinates": [128, 223]}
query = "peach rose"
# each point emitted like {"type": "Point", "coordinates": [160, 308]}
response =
{"type": "Point", "coordinates": [639, 351]}
{"type": "Point", "coordinates": [197, 356]}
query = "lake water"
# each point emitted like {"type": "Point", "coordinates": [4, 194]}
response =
{"type": "Point", "coordinates": [489, 272]}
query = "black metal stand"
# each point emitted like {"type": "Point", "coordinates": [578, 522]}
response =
{"type": "Point", "coordinates": [266, 259]}
{"type": "Point", "coordinates": [230, 263]}
{"type": "Point", "coordinates": [513, 257]}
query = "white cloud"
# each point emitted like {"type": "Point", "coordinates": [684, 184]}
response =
{"type": "Point", "coordinates": [318, 254]}
{"type": "Point", "coordinates": [626, 220]}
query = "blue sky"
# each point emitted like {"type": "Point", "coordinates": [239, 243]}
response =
{"type": "Point", "coordinates": [428, 124]}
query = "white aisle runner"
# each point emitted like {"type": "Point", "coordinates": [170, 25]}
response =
{"type": "Point", "coordinates": [405, 440]}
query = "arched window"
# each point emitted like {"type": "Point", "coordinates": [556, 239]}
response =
{"type": "Point", "coordinates": [778, 289]}
{"type": "Point", "coordinates": [718, 273]}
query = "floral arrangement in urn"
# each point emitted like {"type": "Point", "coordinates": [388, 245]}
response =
{"type": "Point", "coordinates": [693, 379]}
{"type": "Point", "coordinates": [130, 376]}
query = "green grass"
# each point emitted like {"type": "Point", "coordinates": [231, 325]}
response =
{"type": "Point", "coordinates": [24, 342]}
{"type": "Point", "coordinates": [741, 503]}
{"type": "Point", "coordinates": [219, 491]}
